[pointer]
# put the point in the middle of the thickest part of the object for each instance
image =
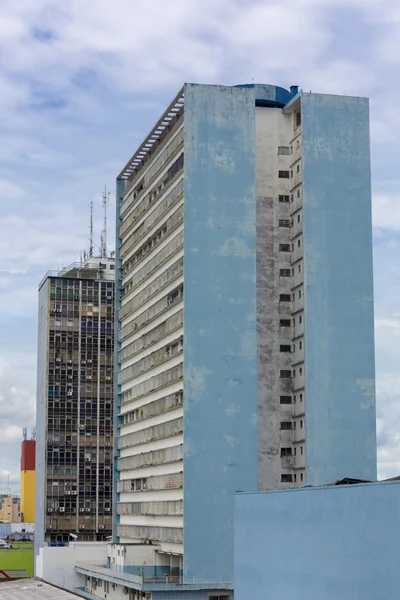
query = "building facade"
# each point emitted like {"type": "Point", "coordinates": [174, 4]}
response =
{"type": "Point", "coordinates": [244, 338]}
{"type": "Point", "coordinates": [74, 419]}
{"type": "Point", "coordinates": [326, 542]}
{"type": "Point", "coordinates": [27, 481]}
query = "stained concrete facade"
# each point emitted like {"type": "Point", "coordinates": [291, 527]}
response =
{"type": "Point", "coordinates": [217, 348]}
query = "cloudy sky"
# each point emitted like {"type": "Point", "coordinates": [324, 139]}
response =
{"type": "Point", "coordinates": [82, 82]}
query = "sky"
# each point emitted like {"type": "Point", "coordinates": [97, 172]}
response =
{"type": "Point", "coordinates": [82, 83]}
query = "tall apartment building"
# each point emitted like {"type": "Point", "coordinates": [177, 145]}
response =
{"type": "Point", "coordinates": [245, 345]}
{"type": "Point", "coordinates": [74, 420]}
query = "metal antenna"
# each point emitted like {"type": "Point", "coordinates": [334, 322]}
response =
{"type": "Point", "coordinates": [105, 200]}
{"type": "Point", "coordinates": [91, 230]}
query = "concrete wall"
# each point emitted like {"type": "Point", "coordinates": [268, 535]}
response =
{"type": "Point", "coordinates": [272, 130]}
{"type": "Point", "coordinates": [339, 319]}
{"type": "Point", "coordinates": [220, 368]}
{"type": "Point", "coordinates": [313, 543]}
{"type": "Point", "coordinates": [57, 565]}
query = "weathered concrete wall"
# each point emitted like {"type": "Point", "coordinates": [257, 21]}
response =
{"type": "Point", "coordinates": [339, 312]}
{"type": "Point", "coordinates": [220, 359]}
{"type": "Point", "coordinates": [318, 543]}
{"type": "Point", "coordinates": [272, 131]}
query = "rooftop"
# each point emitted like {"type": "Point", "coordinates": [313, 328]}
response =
{"type": "Point", "coordinates": [92, 268]}
{"type": "Point", "coordinates": [25, 589]}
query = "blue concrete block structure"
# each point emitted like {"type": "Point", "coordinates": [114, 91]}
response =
{"type": "Point", "coordinates": [326, 542]}
{"type": "Point", "coordinates": [339, 312]}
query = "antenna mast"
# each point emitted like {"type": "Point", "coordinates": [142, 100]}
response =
{"type": "Point", "coordinates": [91, 230]}
{"type": "Point", "coordinates": [105, 200]}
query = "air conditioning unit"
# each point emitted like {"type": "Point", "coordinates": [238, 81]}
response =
{"type": "Point", "coordinates": [73, 492]}
{"type": "Point", "coordinates": [108, 377]}
{"type": "Point", "coordinates": [88, 377]}
{"type": "Point", "coordinates": [58, 309]}
{"type": "Point", "coordinates": [87, 510]}
{"type": "Point", "coordinates": [69, 362]}
{"type": "Point", "coordinates": [107, 510]}
{"type": "Point", "coordinates": [89, 361]}
{"type": "Point", "coordinates": [83, 362]}
{"type": "Point", "coordinates": [69, 393]}
{"type": "Point", "coordinates": [81, 510]}
{"type": "Point", "coordinates": [49, 510]}
{"type": "Point", "coordinates": [70, 377]}
{"type": "Point", "coordinates": [62, 509]}
{"type": "Point", "coordinates": [67, 492]}
{"type": "Point", "coordinates": [87, 459]}
{"type": "Point", "coordinates": [58, 359]}
{"type": "Point", "coordinates": [81, 527]}
{"type": "Point", "coordinates": [81, 426]}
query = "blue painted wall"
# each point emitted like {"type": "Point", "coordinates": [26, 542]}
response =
{"type": "Point", "coordinates": [220, 362]}
{"type": "Point", "coordinates": [117, 388]}
{"type": "Point", "coordinates": [339, 319]}
{"type": "Point", "coordinates": [318, 543]}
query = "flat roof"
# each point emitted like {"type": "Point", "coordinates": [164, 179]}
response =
{"type": "Point", "coordinates": [24, 589]}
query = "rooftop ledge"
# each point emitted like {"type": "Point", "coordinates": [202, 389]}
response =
{"type": "Point", "coordinates": [151, 585]}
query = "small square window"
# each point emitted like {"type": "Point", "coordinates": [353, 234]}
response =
{"type": "Point", "coordinates": [284, 297]}
{"type": "Point", "coordinates": [284, 348]}
{"type": "Point", "coordinates": [286, 478]}
{"type": "Point", "coordinates": [285, 399]}
{"type": "Point", "coordinates": [283, 198]}
{"type": "Point", "coordinates": [283, 174]}
{"type": "Point", "coordinates": [284, 150]}
{"type": "Point", "coordinates": [286, 451]}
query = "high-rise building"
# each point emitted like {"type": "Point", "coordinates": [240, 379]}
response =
{"type": "Point", "coordinates": [245, 343]}
{"type": "Point", "coordinates": [74, 417]}
{"type": "Point", "coordinates": [27, 480]}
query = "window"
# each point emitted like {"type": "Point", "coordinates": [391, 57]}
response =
{"type": "Point", "coordinates": [300, 319]}
{"type": "Point", "coordinates": [291, 174]}
{"type": "Point", "coordinates": [284, 150]}
{"type": "Point", "coordinates": [284, 323]}
{"type": "Point", "coordinates": [294, 399]}
{"type": "Point", "coordinates": [286, 452]}
{"type": "Point", "coordinates": [292, 272]}
{"type": "Point", "coordinates": [300, 347]}
{"type": "Point", "coordinates": [284, 174]}
{"type": "Point", "coordinates": [298, 193]}
{"type": "Point", "coordinates": [284, 247]}
{"type": "Point", "coordinates": [294, 372]}
{"type": "Point", "coordinates": [291, 197]}
{"type": "Point", "coordinates": [297, 120]}
{"type": "Point", "coordinates": [291, 149]}
{"type": "Point", "coordinates": [294, 478]}
{"type": "Point", "coordinates": [301, 370]}
{"type": "Point", "coordinates": [284, 273]}
{"type": "Point", "coordinates": [298, 168]}
{"type": "Point", "coordinates": [299, 294]}
{"type": "Point", "coordinates": [299, 268]}
{"type": "Point", "coordinates": [301, 397]}
{"type": "Point", "coordinates": [219, 597]}
{"type": "Point", "coordinates": [294, 453]}
{"type": "Point", "coordinates": [301, 450]}
{"type": "Point", "coordinates": [284, 348]}
{"type": "Point", "coordinates": [298, 243]}
{"type": "Point", "coordinates": [285, 399]}
{"type": "Point", "coordinates": [285, 374]}
{"type": "Point", "coordinates": [301, 424]}
{"type": "Point", "coordinates": [283, 198]}
{"type": "Point", "coordinates": [112, 267]}
{"type": "Point", "coordinates": [298, 218]}
{"type": "Point", "coordinates": [301, 477]}
{"type": "Point", "coordinates": [284, 297]}
{"type": "Point", "coordinates": [286, 478]}
{"type": "Point", "coordinates": [284, 223]}
{"type": "Point", "coordinates": [286, 425]}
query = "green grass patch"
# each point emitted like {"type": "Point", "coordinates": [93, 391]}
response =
{"type": "Point", "coordinates": [17, 560]}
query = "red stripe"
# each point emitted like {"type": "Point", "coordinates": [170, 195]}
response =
{"type": "Point", "coordinates": [5, 574]}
